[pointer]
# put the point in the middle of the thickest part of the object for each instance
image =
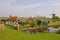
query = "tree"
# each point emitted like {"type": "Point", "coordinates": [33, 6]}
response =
{"type": "Point", "coordinates": [56, 17]}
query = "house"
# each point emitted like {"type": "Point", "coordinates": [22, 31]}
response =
{"type": "Point", "coordinates": [12, 17]}
{"type": "Point", "coordinates": [3, 21]}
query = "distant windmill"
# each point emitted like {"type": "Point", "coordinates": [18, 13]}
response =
{"type": "Point", "coordinates": [53, 14]}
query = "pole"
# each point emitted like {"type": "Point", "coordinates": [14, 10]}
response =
{"type": "Point", "coordinates": [3, 27]}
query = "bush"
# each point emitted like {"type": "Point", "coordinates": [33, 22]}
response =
{"type": "Point", "coordinates": [54, 24]}
{"type": "Point", "coordinates": [58, 32]}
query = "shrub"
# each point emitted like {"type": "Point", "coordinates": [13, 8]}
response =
{"type": "Point", "coordinates": [54, 24]}
{"type": "Point", "coordinates": [58, 32]}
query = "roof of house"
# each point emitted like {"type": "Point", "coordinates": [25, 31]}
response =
{"type": "Point", "coordinates": [13, 18]}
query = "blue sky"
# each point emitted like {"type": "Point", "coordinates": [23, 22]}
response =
{"type": "Point", "coordinates": [27, 8]}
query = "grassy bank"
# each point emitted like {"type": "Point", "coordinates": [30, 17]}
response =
{"type": "Point", "coordinates": [12, 34]}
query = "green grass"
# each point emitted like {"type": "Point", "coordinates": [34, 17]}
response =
{"type": "Point", "coordinates": [11, 34]}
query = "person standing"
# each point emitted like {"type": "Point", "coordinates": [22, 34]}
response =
{"type": "Point", "coordinates": [17, 26]}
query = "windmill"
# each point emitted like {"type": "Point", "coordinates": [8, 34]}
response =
{"type": "Point", "coordinates": [53, 14]}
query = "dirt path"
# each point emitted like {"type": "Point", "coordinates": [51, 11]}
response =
{"type": "Point", "coordinates": [1, 26]}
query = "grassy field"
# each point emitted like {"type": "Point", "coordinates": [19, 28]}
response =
{"type": "Point", "coordinates": [12, 34]}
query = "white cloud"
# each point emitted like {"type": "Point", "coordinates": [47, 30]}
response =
{"type": "Point", "coordinates": [8, 7]}
{"type": "Point", "coordinates": [30, 6]}
{"type": "Point", "coordinates": [56, 6]}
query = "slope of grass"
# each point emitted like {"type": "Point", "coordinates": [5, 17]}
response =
{"type": "Point", "coordinates": [12, 34]}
